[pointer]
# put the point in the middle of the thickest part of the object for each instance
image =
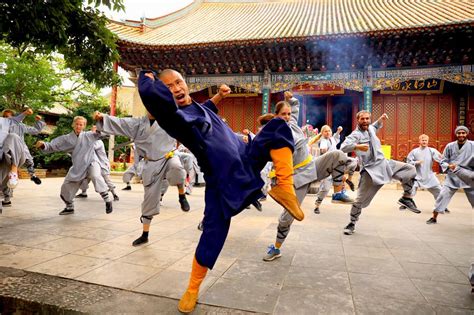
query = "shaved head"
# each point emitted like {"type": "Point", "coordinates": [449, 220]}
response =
{"type": "Point", "coordinates": [178, 87]}
{"type": "Point", "coordinates": [168, 72]}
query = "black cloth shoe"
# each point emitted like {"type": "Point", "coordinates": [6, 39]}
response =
{"type": "Point", "coordinates": [140, 241]}
{"type": "Point", "coordinates": [108, 207]}
{"type": "Point", "coordinates": [409, 203]}
{"type": "Point", "coordinates": [447, 211]}
{"type": "Point", "coordinates": [184, 203]}
{"type": "Point", "coordinates": [431, 221]}
{"type": "Point", "coordinates": [128, 187]}
{"type": "Point", "coordinates": [316, 210]}
{"type": "Point", "coordinates": [36, 179]}
{"type": "Point", "coordinates": [116, 198]}
{"type": "Point", "coordinates": [349, 229]}
{"type": "Point", "coordinates": [81, 195]}
{"type": "Point", "coordinates": [257, 205]}
{"type": "Point", "coordinates": [6, 203]}
{"type": "Point", "coordinates": [351, 184]}
{"type": "Point", "coordinates": [66, 211]}
{"type": "Point", "coordinates": [200, 226]}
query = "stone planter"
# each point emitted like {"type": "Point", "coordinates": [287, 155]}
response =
{"type": "Point", "coordinates": [40, 172]}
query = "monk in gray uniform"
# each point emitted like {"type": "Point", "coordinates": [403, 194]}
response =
{"type": "Point", "coordinates": [104, 170]}
{"type": "Point", "coordinates": [459, 164]}
{"type": "Point", "coordinates": [80, 144]}
{"type": "Point", "coordinates": [18, 127]}
{"type": "Point", "coordinates": [422, 158]}
{"type": "Point", "coordinates": [375, 170]}
{"type": "Point", "coordinates": [159, 161]}
{"type": "Point", "coordinates": [12, 156]}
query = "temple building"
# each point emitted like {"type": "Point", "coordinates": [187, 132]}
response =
{"type": "Point", "coordinates": [413, 60]}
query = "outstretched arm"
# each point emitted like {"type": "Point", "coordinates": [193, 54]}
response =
{"type": "Point", "coordinates": [59, 144]}
{"type": "Point", "coordinates": [127, 127]}
{"type": "Point", "coordinates": [295, 106]}
{"type": "Point", "coordinates": [379, 122]}
{"type": "Point", "coordinates": [38, 126]}
{"type": "Point", "coordinates": [351, 143]}
{"type": "Point", "coordinates": [224, 91]}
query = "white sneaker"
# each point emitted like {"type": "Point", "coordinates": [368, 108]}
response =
{"type": "Point", "coordinates": [12, 180]}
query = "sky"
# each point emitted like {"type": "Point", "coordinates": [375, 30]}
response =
{"type": "Point", "coordinates": [135, 10]}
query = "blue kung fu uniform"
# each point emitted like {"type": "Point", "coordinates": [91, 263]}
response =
{"type": "Point", "coordinates": [231, 168]}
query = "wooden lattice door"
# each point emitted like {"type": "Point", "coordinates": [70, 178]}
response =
{"type": "Point", "coordinates": [411, 116]}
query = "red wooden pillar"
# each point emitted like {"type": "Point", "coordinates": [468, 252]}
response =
{"type": "Point", "coordinates": [113, 105]}
{"type": "Point", "coordinates": [113, 97]}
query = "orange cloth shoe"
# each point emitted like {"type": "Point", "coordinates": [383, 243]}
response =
{"type": "Point", "coordinates": [283, 163]}
{"type": "Point", "coordinates": [188, 302]}
{"type": "Point", "coordinates": [284, 191]}
{"type": "Point", "coordinates": [287, 201]}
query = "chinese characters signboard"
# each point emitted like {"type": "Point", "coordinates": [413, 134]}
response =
{"type": "Point", "coordinates": [429, 86]}
{"type": "Point", "coordinates": [236, 91]}
{"type": "Point", "coordinates": [320, 89]}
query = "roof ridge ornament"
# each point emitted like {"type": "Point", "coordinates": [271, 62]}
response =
{"type": "Point", "coordinates": [143, 26]}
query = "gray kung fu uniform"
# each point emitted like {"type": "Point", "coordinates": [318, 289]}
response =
{"type": "Point", "coordinates": [189, 162]}
{"type": "Point", "coordinates": [154, 143]}
{"type": "Point", "coordinates": [425, 177]}
{"type": "Point", "coordinates": [375, 170]}
{"type": "Point", "coordinates": [329, 145]}
{"type": "Point", "coordinates": [329, 164]}
{"type": "Point", "coordinates": [84, 164]}
{"type": "Point", "coordinates": [18, 127]}
{"type": "Point", "coordinates": [11, 153]}
{"type": "Point", "coordinates": [461, 177]}
{"type": "Point", "coordinates": [104, 164]}
{"type": "Point", "coordinates": [136, 168]}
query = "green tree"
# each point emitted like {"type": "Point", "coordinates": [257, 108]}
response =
{"type": "Point", "coordinates": [70, 27]}
{"type": "Point", "coordinates": [26, 80]}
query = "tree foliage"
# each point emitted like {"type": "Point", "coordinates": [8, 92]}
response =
{"type": "Point", "coordinates": [70, 27]}
{"type": "Point", "coordinates": [85, 105]}
{"type": "Point", "coordinates": [26, 80]}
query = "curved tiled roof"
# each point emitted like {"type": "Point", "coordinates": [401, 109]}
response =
{"type": "Point", "coordinates": [217, 22]}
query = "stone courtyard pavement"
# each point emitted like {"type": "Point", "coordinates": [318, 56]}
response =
{"type": "Point", "coordinates": [393, 264]}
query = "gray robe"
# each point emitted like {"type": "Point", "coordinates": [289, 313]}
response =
{"type": "Point", "coordinates": [81, 149]}
{"type": "Point", "coordinates": [306, 174]}
{"type": "Point", "coordinates": [102, 157]}
{"type": "Point", "coordinates": [151, 141]}
{"type": "Point", "coordinates": [5, 124]}
{"type": "Point", "coordinates": [331, 143]}
{"type": "Point", "coordinates": [462, 158]}
{"type": "Point", "coordinates": [19, 128]}
{"type": "Point", "coordinates": [425, 177]}
{"type": "Point", "coordinates": [373, 160]}
{"type": "Point", "coordinates": [154, 143]}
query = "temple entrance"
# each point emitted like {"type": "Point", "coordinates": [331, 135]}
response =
{"type": "Point", "coordinates": [316, 111]}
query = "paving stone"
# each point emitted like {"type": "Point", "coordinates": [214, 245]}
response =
{"type": "Point", "coordinates": [394, 263]}
{"type": "Point", "coordinates": [448, 294]}
{"type": "Point", "coordinates": [294, 300]}
{"type": "Point", "coordinates": [366, 305]}
{"type": "Point", "coordinates": [242, 295]}
{"type": "Point", "coordinates": [381, 286]}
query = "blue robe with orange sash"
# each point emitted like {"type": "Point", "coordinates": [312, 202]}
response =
{"type": "Point", "coordinates": [231, 168]}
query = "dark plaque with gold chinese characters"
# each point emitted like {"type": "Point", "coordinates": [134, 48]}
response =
{"type": "Point", "coordinates": [236, 91]}
{"type": "Point", "coordinates": [429, 86]}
